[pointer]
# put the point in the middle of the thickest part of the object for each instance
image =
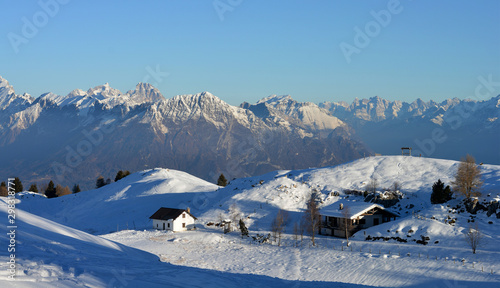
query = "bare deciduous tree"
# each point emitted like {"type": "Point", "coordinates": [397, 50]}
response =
{"type": "Point", "coordinates": [468, 178]}
{"type": "Point", "coordinates": [296, 232]}
{"type": "Point", "coordinates": [396, 186]}
{"type": "Point", "coordinates": [346, 214]}
{"type": "Point", "coordinates": [312, 219]}
{"type": "Point", "coordinates": [61, 191]}
{"type": "Point", "coordinates": [234, 214]}
{"type": "Point", "coordinates": [278, 225]}
{"type": "Point", "coordinates": [474, 238]}
{"type": "Point", "coordinates": [372, 185]}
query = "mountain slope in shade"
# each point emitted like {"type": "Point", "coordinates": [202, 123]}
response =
{"type": "Point", "coordinates": [449, 129]}
{"type": "Point", "coordinates": [101, 131]}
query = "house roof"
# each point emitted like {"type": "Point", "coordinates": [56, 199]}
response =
{"type": "Point", "coordinates": [356, 209]}
{"type": "Point", "coordinates": [168, 213]}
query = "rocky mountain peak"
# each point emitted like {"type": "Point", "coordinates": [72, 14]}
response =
{"type": "Point", "coordinates": [9, 99]}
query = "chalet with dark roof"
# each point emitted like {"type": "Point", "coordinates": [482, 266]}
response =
{"type": "Point", "coordinates": [173, 219]}
{"type": "Point", "coordinates": [351, 216]}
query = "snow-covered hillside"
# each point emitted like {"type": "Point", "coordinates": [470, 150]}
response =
{"type": "Point", "coordinates": [126, 205]}
{"type": "Point", "coordinates": [49, 254]}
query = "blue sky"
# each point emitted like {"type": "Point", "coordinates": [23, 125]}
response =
{"type": "Point", "coordinates": [249, 49]}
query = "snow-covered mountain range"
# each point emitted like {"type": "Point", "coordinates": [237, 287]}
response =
{"type": "Point", "coordinates": [449, 129]}
{"type": "Point", "coordinates": [74, 138]}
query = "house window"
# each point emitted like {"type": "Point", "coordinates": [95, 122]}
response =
{"type": "Point", "coordinates": [183, 225]}
{"type": "Point", "coordinates": [183, 215]}
{"type": "Point", "coordinates": [168, 225]}
{"type": "Point", "coordinates": [362, 221]}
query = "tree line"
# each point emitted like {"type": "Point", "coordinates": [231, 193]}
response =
{"type": "Point", "coordinates": [51, 190]}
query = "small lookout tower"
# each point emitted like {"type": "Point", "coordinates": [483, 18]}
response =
{"type": "Point", "coordinates": [406, 151]}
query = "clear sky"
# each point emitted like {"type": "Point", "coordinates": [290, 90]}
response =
{"type": "Point", "coordinates": [244, 50]}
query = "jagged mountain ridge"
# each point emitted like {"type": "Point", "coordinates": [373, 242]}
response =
{"type": "Point", "coordinates": [449, 129]}
{"type": "Point", "coordinates": [74, 138]}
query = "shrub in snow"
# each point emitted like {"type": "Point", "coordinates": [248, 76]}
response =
{"type": "Point", "coordinates": [474, 238]}
{"type": "Point", "coordinates": [243, 229]}
{"type": "Point", "coordinates": [261, 238]}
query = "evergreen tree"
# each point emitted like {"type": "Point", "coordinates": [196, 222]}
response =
{"type": "Point", "coordinates": [440, 194]}
{"type": "Point", "coordinates": [447, 193]}
{"type": "Point", "coordinates": [18, 186]}
{"type": "Point", "coordinates": [222, 181]}
{"type": "Point", "coordinates": [100, 182]}
{"type": "Point", "coordinates": [119, 175]}
{"type": "Point", "coordinates": [33, 188]}
{"type": "Point", "coordinates": [76, 188]}
{"type": "Point", "coordinates": [243, 229]}
{"type": "Point", "coordinates": [50, 192]}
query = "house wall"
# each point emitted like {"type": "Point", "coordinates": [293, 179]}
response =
{"type": "Point", "coordinates": [158, 224]}
{"type": "Point", "coordinates": [339, 233]}
{"type": "Point", "coordinates": [370, 220]}
{"type": "Point", "coordinates": [188, 220]}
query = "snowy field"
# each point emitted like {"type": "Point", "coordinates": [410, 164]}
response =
{"type": "Point", "coordinates": [103, 237]}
